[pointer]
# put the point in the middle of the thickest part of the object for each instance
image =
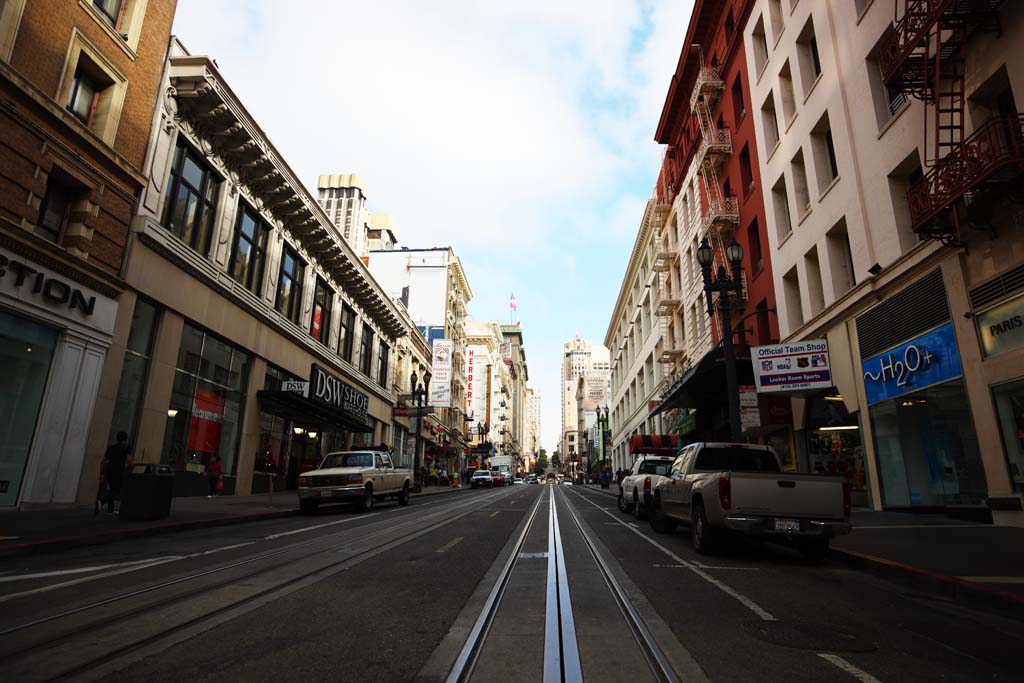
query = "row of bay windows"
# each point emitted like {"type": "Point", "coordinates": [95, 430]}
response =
{"type": "Point", "coordinates": [189, 213]}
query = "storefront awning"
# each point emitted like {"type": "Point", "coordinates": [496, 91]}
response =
{"type": "Point", "coordinates": [653, 444]}
{"type": "Point", "coordinates": [306, 413]}
{"type": "Point", "coordinates": [704, 383]}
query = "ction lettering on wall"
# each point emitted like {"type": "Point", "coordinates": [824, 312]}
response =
{"type": "Point", "coordinates": [53, 291]}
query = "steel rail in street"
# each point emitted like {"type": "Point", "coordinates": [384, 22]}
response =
{"type": "Point", "coordinates": [467, 507]}
{"type": "Point", "coordinates": [659, 664]}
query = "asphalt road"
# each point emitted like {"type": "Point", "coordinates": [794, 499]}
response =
{"type": "Point", "coordinates": [399, 593]}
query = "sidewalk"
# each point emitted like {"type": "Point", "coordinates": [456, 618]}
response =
{"type": "Point", "coordinates": [44, 530]}
{"type": "Point", "coordinates": [980, 563]}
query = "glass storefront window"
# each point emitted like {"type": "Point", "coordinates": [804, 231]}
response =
{"type": "Point", "coordinates": [207, 399]}
{"type": "Point", "coordinates": [132, 386]}
{"type": "Point", "coordinates": [25, 352]}
{"type": "Point", "coordinates": [1010, 408]}
{"type": "Point", "coordinates": [834, 444]}
{"type": "Point", "coordinates": [927, 449]}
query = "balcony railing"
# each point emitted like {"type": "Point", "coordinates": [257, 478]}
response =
{"type": "Point", "coordinates": [988, 153]}
{"type": "Point", "coordinates": [722, 213]}
{"type": "Point", "coordinates": [667, 305]}
{"type": "Point", "coordinates": [715, 147]}
{"type": "Point", "coordinates": [664, 260]}
{"type": "Point", "coordinates": [709, 83]}
{"type": "Point", "coordinates": [918, 18]}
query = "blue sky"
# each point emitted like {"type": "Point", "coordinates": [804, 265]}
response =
{"type": "Point", "coordinates": [518, 133]}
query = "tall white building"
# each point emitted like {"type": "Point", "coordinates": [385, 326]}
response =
{"type": "Point", "coordinates": [343, 196]}
{"type": "Point", "coordinates": [533, 429]}
{"type": "Point", "coordinates": [580, 359]}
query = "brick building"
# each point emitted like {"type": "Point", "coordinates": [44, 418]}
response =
{"type": "Point", "coordinates": [78, 87]}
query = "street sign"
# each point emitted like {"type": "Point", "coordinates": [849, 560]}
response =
{"type": "Point", "coordinates": [792, 367]}
{"type": "Point", "coordinates": [296, 387]}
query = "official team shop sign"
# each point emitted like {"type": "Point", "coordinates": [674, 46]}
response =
{"type": "Point", "coordinates": [326, 388]}
{"type": "Point", "coordinates": [796, 366]}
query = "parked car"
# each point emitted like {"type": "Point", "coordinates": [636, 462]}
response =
{"type": "Point", "coordinates": [360, 477]}
{"type": "Point", "coordinates": [531, 479]}
{"type": "Point", "coordinates": [726, 487]}
{"type": "Point", "coordinates": [481, 478]}
{"type": "Point", "coordinates": [518, 480]}
{"type": "Point", "coordinates": [637, 486]}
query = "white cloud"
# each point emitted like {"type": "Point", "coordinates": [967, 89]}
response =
{"type": "Point", "coordinates": [494, 127]}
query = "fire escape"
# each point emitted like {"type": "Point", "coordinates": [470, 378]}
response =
{"type": "Point", "coordinates": [720, 212]}
{"type": "Point", "coordinates": [666, 258]}
{"type": "Point", "coordinates": [924, 58]}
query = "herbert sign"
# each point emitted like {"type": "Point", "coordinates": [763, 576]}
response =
{"type": "Point", "coordinates": [929, 359]}
{"type": "Point", "coordinates": [796, 366]}
{"type": "Point", "coordinates": [326, 388]}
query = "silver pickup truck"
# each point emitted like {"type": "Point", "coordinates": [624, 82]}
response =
{"type": "Point", "coordinates": [720, 487]}
{"type": "Point", "coordinates": [359, 477]}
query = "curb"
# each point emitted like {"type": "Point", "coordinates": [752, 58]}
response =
{"type": "Point", "coordinates": [68, 542]}
{"type": "Point", "coordinates": [966, 592]}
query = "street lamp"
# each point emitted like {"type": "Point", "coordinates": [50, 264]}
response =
{"type": "Point", "coordinates": [419, 399]}
{"type": "Point", "coordinates": [725, 284]}
{"type": "Point", "coordinates": [602, 428]}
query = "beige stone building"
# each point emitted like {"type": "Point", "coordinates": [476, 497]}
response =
{"type": "Point", "coordinates": [894, 223]}
{"type": "Point", "coordinates": [239, 290]}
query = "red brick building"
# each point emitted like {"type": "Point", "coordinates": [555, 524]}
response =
{"type": "Point", "coordinates": [79, 82]}
{"type": "Point", "coordinates": [710, 179]}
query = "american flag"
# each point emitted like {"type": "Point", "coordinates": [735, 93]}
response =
{"type": "Point", "coordinates": [512, 303]}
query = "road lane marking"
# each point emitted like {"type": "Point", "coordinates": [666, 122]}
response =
{"type": "Point", "coordinates": [925, 526]}
{"type": "Point", "coordinates": [859, 674]}
{"type": "Point", "coordinates": [728, 590]}
{"type": "Point", "coordinates": [449, 545]}
{"type": "Point", "coordinates": [77, 570]}
{"type": "Point", "coordinates": [143, 564]}
{"type": "Point", "coordinates": [561, 649]}
{"type": "Point", "coordinates": [318, 526]}
{"type": "Point", "coordinates": [993, 579]}
{"type": "Point", "coordinates": [495, 513]}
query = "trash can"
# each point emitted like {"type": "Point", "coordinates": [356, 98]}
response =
{"type": "Point", "coordinates": [146, 492]}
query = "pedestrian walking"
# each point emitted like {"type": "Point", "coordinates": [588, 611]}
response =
{"type": "Point", "coordinates": [116, 458]}
{"type": "Point", "coordinates": [213, 473]}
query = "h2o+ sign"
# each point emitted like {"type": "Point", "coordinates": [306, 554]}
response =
{"type": "Point", "coordinates": [928, 359]}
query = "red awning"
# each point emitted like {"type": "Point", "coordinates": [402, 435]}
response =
{"type": "Point", "coordinates": [653, 444]}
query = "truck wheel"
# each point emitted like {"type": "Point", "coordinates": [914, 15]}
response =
{"type": "Point", "coordinates": [638, 508]}
{"type": "Point", "coordinates": [365, 503]}
{"type": "Point", "coordinates": [700, 531]}
{"type": "Point", "coordinates": [403, 495]}
{"type": "Point", "coordinates": [660, 522]}
{"type": "Point", "coordinates": [308, 507]}
{"type": "Point", "coordinates": [623, 505]}
{"type": "Point", "coordinates": [814, 550]}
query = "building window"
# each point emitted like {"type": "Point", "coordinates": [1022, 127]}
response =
{"type": "Point", "coordinates": [110, 9]}
{"type": "Point", "coordinates": [345, 332]}
{"type": "Point", "coordinates": [824, 149]}
{"type": "Point", "coordinates": [204, 417]}
{"type": "Point", "coordinates": [786, 91]}
{"type": "Point", "coordinates": [808, 57]}
{"type": "Point", "coordinates": [780, 202]}
{"type": "Point", "coordinates": [191, 199]}
{"type": "Point", "coordinates": [131, 388]}
{"type": "Point", "coordinates": [754, 247]}
{"type": "Point", "coordinates": [1009, 400]}
{"type": "Point", "coordinates": [778, 24]}
{"type": "Point", "coordinates": [770, 123]}
{"type": "Point", "coordinates": [791, 290]}
{"type": "Point", "coordinates": [320, 323]}
{"type": "Point", "coordinates": [888, 101]}
{"type": "Point", "coordinates": [250, 250]}
{"type": "Point", "coordinates": [366, 350]}
{"type": "Point", "coordinates": [730, 25]}
{"type": "Point", "coordinates": [746, 171]}
{"type": "Point", "coordinates": [84, 95]}
{"type": "Point", "coordinates": [840, 259]}
{"type": "Point", "coordinates": [815, 293]}
{"type": "Point", "coordinates": [803, 195]}
{"type": "Point", "coordinates": [55, 209]}
{"type": "Point", "coordinates": [289, 286]}
{"type": "Point", "coordinates": [739, 110]}
{"type": "Point", "coordinates": [760, 45]}
{"type": "Point", "coordinates": [383, 351]}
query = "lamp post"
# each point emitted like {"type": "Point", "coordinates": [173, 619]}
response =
{"type": "Point", "coordinates": [602, 428]}
{"type": "Point", "coordinates": [725, 284]}
{"type": "Point", "coordinates": [419, 400]}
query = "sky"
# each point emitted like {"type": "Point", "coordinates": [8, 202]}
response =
{"type": "Point", "coordinates": [520, 134]}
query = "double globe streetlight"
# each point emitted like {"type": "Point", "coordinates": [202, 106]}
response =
{"type": "Point", "coordinates": [419, 400]}
{"type": "Point", "coordinates": [726, 285]}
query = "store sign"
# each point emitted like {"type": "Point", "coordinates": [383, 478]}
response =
{"type": "Point", "coordinates": [40, 284]}
{"type": "Point", "coordinates": [441, 374]}
{"type": "Point", "coordinates": [929, 359]}
{"type": "Point", "coordinates": [796, 366]}
{"type": "Point", "coordinates": [1002, 328]}
{"type": "Point", "coordinates": [326, 388]}
{"type": "Point", "coordinates": [296, 387]}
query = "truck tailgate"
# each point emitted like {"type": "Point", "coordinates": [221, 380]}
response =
{"type": "Point", "coordinates": [787, 495]}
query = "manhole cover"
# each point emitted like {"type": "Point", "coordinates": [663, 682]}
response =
{"type": "Point", "coordinates": [804, 636]}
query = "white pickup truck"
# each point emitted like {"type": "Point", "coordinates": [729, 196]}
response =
{"type": "Point", "coordinates": [359, 477]}
{"type": "Point", "coordinates": [636, 488]}
{"type": "Point", "coordinates": [729, 487]}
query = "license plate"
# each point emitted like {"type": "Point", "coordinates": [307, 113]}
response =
{"type": "Point", "coordinates": [325, 494]}
{"type": "Point", "coordinates": [787, 525]}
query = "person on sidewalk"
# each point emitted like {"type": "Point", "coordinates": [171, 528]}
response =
{"type": "Point", "coordinates": [213, 472]}
{"type": "Point", "coordinates": [117, 458]}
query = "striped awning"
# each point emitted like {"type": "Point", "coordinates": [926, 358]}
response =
{"type": "Point", "coordinates": [653, 444]}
